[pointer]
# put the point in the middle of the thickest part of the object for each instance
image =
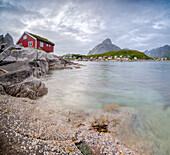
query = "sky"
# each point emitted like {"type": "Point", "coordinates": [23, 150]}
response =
{"type": "Point", "coordinates": [77, 26]}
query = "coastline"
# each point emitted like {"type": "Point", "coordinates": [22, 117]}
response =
{"type": "Point", "coordinates": [27, 128]}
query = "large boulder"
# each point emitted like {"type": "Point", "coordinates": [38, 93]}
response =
{"type": "Point", "coordinates": [6, 53]}
{"type": "Point", "coordinates": [22, 84]}
{"type": "Point", "coordinates": [31, 88]}
{"type": "Point", "coordinates": [8, 39]}
{"type": "Point", "coordinates": [2, 39]}
{"type": "Point", "coordinates": [39, 67]}
{"type": "Point", "coordinates": [15, 77]}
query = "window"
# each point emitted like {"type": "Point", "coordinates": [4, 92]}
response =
{"type": "Point", "coordinates": [30, 43]}
{"type": "Point", "coordinates": [41, 44]}
{"type": "Point", "coordinates": [20, 44]}
{"type": "Point", "coordinates": [25, 37]}
{"type": "Point", "coordinates": [49, 45]}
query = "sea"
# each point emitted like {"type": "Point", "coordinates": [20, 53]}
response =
{"type": "Point", "coordinates": [144, 86]}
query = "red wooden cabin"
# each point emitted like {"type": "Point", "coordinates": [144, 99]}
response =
{"type": "Point", "coordinates": [32, 40]}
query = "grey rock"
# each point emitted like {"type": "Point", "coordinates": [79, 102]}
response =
{"type": "Point", "coordinates": [8, 39]}
{"type": "Point", "coordinates": [7, 52]}
{"type": "Point", "coordinates": [15, 77]}
{"type": "Point", "coordinates": [104, 47]}
{"type": "Point", "coordinates": [31, 88]}
{"type": "Point", "coordinates": [160, 52]}
{"type": "Point", "coordinates": [2, 91]}
{"type": "Point", "coordinates": [3, 46]}
{"type": "Point", "coordinates": [2, 39]}
{"type": "Point", "coordinates": [39, 67]}
{"type": "Point", "coordinates": [22, 84]}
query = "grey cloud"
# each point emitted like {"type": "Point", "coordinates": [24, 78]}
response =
{"type": "Point", "coordinates": [78, 25]}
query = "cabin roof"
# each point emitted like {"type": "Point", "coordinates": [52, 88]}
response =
{"type": "Point", "coordinates": [41, 38]}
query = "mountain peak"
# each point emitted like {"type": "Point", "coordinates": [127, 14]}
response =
{"type": "Point", "coordinates": [160, 52]}
{"type": "Point", "coordinates": [104, 47]}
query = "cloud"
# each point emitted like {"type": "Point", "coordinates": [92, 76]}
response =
{"type": "Point", "coordinates": [78, 25]}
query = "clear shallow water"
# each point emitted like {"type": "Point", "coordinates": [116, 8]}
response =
{"type": "Point", "coordinates": [142, 85]}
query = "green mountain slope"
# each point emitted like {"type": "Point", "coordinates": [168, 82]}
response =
{"type": "Point", "coordinates": [125, 52]}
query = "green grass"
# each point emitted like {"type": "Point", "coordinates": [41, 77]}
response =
{"type": "Point", "coordinates": [41, 38]}
{"type": "Point", "coordinates": [124, 52]}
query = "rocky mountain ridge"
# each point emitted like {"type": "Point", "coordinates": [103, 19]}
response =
{"type": "Point", "coordinates": [160, 52]}
{"type": "Point", "coordinates": [104, 47]}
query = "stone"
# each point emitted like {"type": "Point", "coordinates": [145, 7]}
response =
{"type": "Point", "coordinates": [7, 52]}
{"type": "Point", "coordinates": [14, 77]}
{"type": "Point", "coordinates": [8, 39]}
{"type": "Point", "coordinates": [31, 88]}
{"type": "Point", "coordinates": [2, 71]}
{"type": "Point", "coordinates": [2, 91]}
{"type": "Point", "coordinates": [3, 46]}
{"type": "Point", "coordinates": [2, 39]}
{"type": "Point", "coordinates": [39, 67]}
{"type": "Point", "coordinates": [105, 46]}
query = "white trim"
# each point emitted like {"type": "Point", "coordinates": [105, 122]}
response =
{"type": "Point", "coordinates": [20, 38]}
{"type": "Point", "coordinates": [36, 43]}
{"type": "Point", "coordinates": [30, 35]}
{"type": "Point", "coordinates": [27, 34]}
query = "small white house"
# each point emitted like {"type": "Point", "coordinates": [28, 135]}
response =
{"type": "Point", "coordinates": [126, 59]}
{"type": "Point", "coordinates": [115, 57]}
{"type": "Point", "coordinates": [110, 57]}
{"type": "Point", "coordinates": [135, 58]}
{"type": "Point", "coordinates": [79, 58]}
{"type": "Point", "coordinates": [121, 56]}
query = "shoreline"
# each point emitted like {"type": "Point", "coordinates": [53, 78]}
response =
{"type": "Point", "coordinates": [28, 128]}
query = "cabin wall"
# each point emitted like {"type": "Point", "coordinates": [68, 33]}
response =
{"type": "Point", "coordinates": [25, 41]}
{"type": "Point", "coordinates": [46, 47]}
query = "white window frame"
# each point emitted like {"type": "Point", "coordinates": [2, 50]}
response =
{"type": "Point", "coordinates": [30, 42]}
{"type": "Point", "coordinates": [41, 44]}
{"type": "Point", "coordinates": [20, 44]}
{"type": "Point", "coordinates": [25, 37]}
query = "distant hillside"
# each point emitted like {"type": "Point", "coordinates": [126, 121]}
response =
{"type": "Point", "coordinates": [104, 47]}
{"type": "Point", "coordinates": [124, 52]}
{"type": "Point", "coordinates": [161, 52]}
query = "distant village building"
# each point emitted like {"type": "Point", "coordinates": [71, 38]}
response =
{"type": "Point", "coordinates": [32, 40]}
{"type": "Point", "coordinates": [135, 58]}
{"type": "Point", "coordinates": [126, 59]}
{"type": "Point", "coordinates": [115, 57]}
{"type": "Point", "coordinates": [121, 56]}
{"type": "Point", "coordinates": [110, 57]}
